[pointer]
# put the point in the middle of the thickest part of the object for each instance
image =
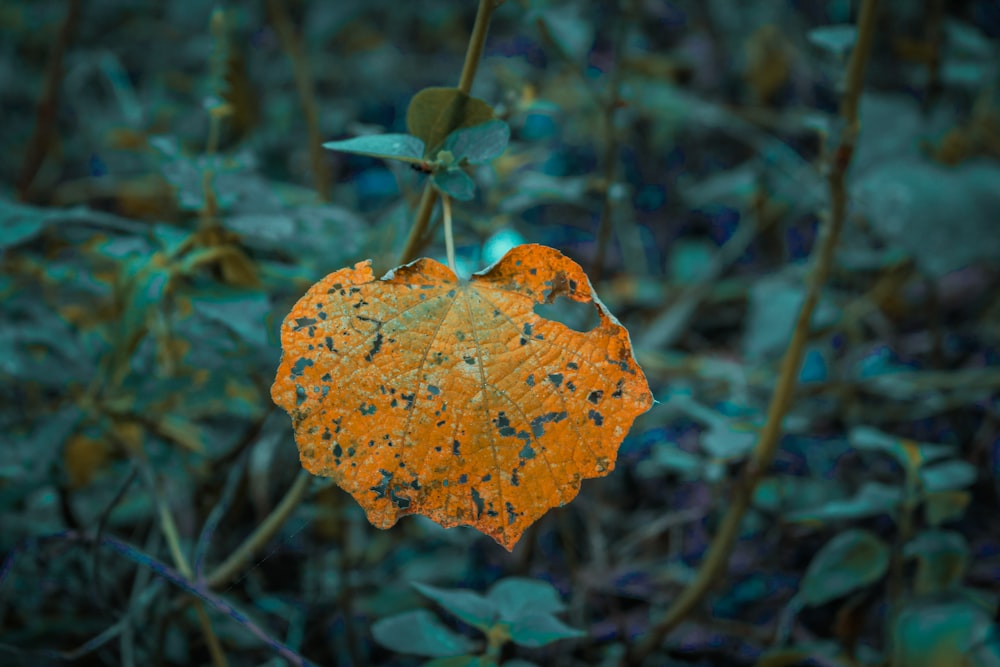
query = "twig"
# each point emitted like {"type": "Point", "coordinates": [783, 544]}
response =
{"type": "Point", "coordinates": [169, 528]}
{"type": "Point", "coordinates": [199, 591]}
{"type": "Point", "coordinates": [477, 42]}
{"type": "Point", "coordinates": [264, 532]}
{"type": "Point", "coordinates": [48, 105]}
{"type": "Point", "coordinates": [611, 144]}
{"type": "Point", "coordinates": [292, 45]}
{"type": "Point", "coordinates": [714, 564]}
{"type": "Point", "coordinates": [415, 241]}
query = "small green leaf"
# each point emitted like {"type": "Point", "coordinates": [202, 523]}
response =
{"type": "Point", "coordinates": [389, 146]}
{"type": "Point", "coordinates": [467, 605]}
{"type": "Point", "coordinates": [932, 634]}
{"type": "Point", "coordinates": [849, 561]}
{"type": "Point", "coordinates": [948, 476]}
{"type": "Point", "coordinates": [455, 183]}
{"type": "Point", "coordinates": [940, 507]}
{"type": "Point", "coordinates": [942, 559]}
{"type": "Point", "coordinates": [515, 596]}
{"type": "Point", "coordinates": [837, 40]}
{"type": "Point", "coordinates": [420, 633]}
{"type": "Point", "coordinates": [871, 439]}
{"type": "Point", "coordinates": [872, 499]}
{"type": "Point", "coordinates": [480, 143]}
{"type": "Point", "coordinates": [567, 27]}
{"type": "Point", "coordinates": [19, 223]}
{"type": "Point", "coordinates": [434, 113]}
{"type": "Point", "coordinates": [538, 629]}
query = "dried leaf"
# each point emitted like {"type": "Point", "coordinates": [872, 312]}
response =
{"type": "Point", "coordinates": [421, 393]}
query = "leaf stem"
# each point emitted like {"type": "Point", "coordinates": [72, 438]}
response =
{"type": "Point", "coordinates": [713, 567]}
{"type": "Point", "coordinates": [449, 239]}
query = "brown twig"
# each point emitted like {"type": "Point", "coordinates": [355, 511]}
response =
{"type": "Point", "coordinates": [713, 567]}
{"type": "Point", "coordinates": [45, 116]}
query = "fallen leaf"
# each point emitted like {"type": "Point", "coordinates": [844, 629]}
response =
{"type": "Point", "coordinates": [420, 393]}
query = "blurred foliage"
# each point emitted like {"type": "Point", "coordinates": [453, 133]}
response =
{"type": "Point", "coordinates": [158, 219]}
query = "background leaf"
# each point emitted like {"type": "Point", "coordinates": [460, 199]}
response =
{"type": "Point", "coordinates": [420, 633]}
{"type": "Point", "coordinates": [853, 559]}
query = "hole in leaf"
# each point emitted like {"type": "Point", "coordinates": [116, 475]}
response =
{"type": "Point", "coordinates": [576, 315]}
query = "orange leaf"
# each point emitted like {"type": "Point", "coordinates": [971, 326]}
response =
{"type": "Point", "coordinates": [420, 393]}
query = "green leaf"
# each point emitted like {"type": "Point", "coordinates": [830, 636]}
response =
{"type": "Point", "coordinates": [871, 439]}
{"type": "Point", "coordinates": [666, 456]}
{"type": "Point", "coordinates": [515, 596]}
{"type": "Point", "coordinates": [455, 183]}
{"type": "Point", "coordinates": [19, 223]}
{"type": "Point", "coordinates": [942, 559]}
{"type": "Point", "coordinates": [943, 506]}
{"type": "Point", "coordinates": [434, 113]}
{"type": "Point", "coordinates": [469, 606]}
{"type": "Point", "coordinates": [389, 146]}
{"type": "Point", "coordinates": [420, 633]}
{"type": "Point", "coordinates": [480, 143]}
{"type": "Point", "coordinates": [538, 629]}
{"type": "Point", "coordinates": [837, 40]}
{"type": "Point", "coordinates": [931, 634]}
{"type": "Point", "coordinates": [853, 559]}
{"type": "Point", "coordinates": [872, 499]}
{"type": "Point", "coordinates": [567, 27]}
{"type": "Point", "coordinates": [948, 476]}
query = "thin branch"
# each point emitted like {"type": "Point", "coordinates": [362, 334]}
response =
{"type": "Point", "coordinates": [262, 535]}
{"type": "Point", "coordinates": [292, 45]}
{"type": "Point", "coordinates": [45, 116]}
{"type": "Point", "coordinates": [169, 528]}
{"type": "Point", "coordinates": [477, 42]}
{"type": "Point", "coordinates": [713, 567]}
{"type": "Point", "coordinates": [611, 143]}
